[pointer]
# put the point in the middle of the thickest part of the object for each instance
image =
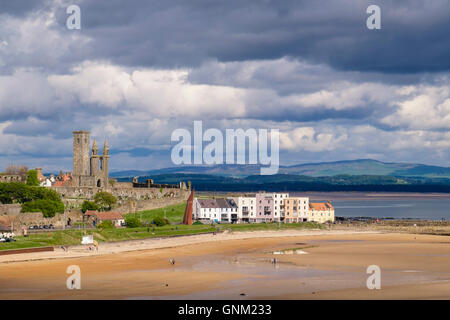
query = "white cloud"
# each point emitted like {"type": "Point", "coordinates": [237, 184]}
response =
{"type": "Point", "coordinates": [138, 108]}
{"type": "Point", "coordinates": [37, 41]}
{"type": "Point", "coordinates": [428, 108]}
{"type": "Point", "coordinates": [307, 138]}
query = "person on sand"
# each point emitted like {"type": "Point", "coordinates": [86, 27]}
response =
{"type": "Point", "coordinates": [95, 245]}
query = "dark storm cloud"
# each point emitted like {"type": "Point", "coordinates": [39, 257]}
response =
{"type": "Point", "coordinates": [290, 65]}
{"type": "Point", "coordinates": [413, 38]}
{"type": "Point", "coordinates": [19, 7]}
{"type": "Point", "coordinates": [319, 114]}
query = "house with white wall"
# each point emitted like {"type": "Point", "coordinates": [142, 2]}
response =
{"type": "Point", "coordinates": [264, 207]}
{"type": "Point", "coordinates": [246, 208]}
{"type": "Point", "coordinates": [321, 212]}
{"type": "Point", "coordinates": [278, 205]}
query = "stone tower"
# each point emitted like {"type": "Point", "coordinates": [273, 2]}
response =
{"type": "Point", "coordinates": [95, 158]}
{"type": "Point", "coordinates": [105, 163]}
{"type": "Point", "coordinates": [89, 169]}
{"type": "Point", "coordinates": [81, 143]}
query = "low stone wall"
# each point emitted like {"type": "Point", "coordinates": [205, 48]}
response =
{"type": "Point", "coordinates": [10, 209]}
{"type": "Point", "coordinates": [121, 192]}
{"type": "Point", "coordinates": [37, 218]}
{"type": "Point", "coordinates": [130, 198]}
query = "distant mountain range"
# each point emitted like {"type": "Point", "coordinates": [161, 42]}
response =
{"type": "Point", "coordinates": [322, 169]}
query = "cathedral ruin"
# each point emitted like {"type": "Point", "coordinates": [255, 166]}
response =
{"type": "Point", "coordinates": [91, 175]}
{"type": "Point", "coordinates": [90, 169]}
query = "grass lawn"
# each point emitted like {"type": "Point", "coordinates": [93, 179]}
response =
{"type": "Point", "coordinates": [174, 213]}
{"type": "Point", "coordinates": [73, 237]}
{"type": "Point", "coordinates": [68, 237]}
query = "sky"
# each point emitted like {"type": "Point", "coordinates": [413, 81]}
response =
{"type": "Point", "coordinates": [136, 71]}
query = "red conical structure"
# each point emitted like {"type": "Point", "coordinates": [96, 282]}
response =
{"type": "Point", "coordinates": [187, 219]}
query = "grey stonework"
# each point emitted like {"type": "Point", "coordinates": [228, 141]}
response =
{"type": "Point", "coordinates": [89, 169]}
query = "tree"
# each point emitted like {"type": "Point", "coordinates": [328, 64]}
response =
{"type": "Point", "coordinates": [48, 207]}
{"type": "Point", "coordinates": [32, 179]}
{"type": "Point", "coordinates": [89, 205]}
{"type": "Point", "coordinates": [15, 192]}
{"type": "Point", "coordinates": [105, 200]}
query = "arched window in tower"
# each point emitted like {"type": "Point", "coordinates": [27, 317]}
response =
{"type": "Point", "coordinates": [99, 183]}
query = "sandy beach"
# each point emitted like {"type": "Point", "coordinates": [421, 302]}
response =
{"type": "Point", "coordinates": [330, 265]}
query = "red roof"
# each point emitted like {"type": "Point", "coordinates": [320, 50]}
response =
{"type": "Point", "coordinates": [62, 183]}
{"type": "Point", "coordinates": [321, 206]}
{"type": "Point", "coordinates": [109, 215]}
{"type": "Point", "coordinates": [90, 212]}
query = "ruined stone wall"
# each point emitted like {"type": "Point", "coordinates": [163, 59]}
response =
{"type": "Point", "coordinates": [120, 192]}
{"type": "Point", "coordinates": [37, 218]}
{"type": "Point", "coordinates": [11, 178]}
{"type": "Point", "coordinates": [10, 209]}
{"type": "Point", "coordinates": [146, 198]}
{"type": "Point", "coordinates": [132, 206]}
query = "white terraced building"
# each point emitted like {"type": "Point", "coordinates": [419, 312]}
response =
{"type": "Point", "coordinates": [205, 210]}
{"type": "Point", "coordinates": [278, 205]}
{"type": "Point", "coordinates": [263, 207]}
{"type": "Point", "coordinates": [215, 210]}
{"type": "Point", "coordinates": [246, 208]}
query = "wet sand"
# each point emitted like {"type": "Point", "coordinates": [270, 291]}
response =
{"type": "Point", "coordinates": [333, 267]}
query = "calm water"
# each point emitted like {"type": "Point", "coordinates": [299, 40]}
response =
{"type": "Point", "coordinates": [415, 208]}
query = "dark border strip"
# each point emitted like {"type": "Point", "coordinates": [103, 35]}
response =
{"type": "Point", "coordinates": [26, 250]}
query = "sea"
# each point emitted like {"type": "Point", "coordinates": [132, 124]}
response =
{"type": "Point", "coordinates": [396, 206]}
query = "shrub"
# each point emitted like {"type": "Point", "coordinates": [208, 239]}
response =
{"type": "Point", "coordinates": [197, 223]}
{"type": "Point", "coordinates": [160, 221]}
{"type": "Point", "coordinates": [48, 207]}
{"type": "Point", "coordinates": [133, 222]}
{"type": "Point", "coordinates": [89, 205]}
{"type": "Point", "coordinates": [107, 224]}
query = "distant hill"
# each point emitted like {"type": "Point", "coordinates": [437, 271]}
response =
{"type": "Point", "coordinates": [321, 169]}
{"type": "Point", "coordinates": [287, 182]}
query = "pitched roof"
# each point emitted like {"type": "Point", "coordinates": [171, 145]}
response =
{"type": "Point", "coordinates": [90, 212]}
{"type": "Point", "coordinates": [208, 203]}
{"type": "Point", "coordinates": [60, 183]}
{"type": "Point", "coordinates": [223, 203]}
{"type": "Point", "coordinates": [109, 215]}
{"type": "Point", "coordinates": [321, 206]}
